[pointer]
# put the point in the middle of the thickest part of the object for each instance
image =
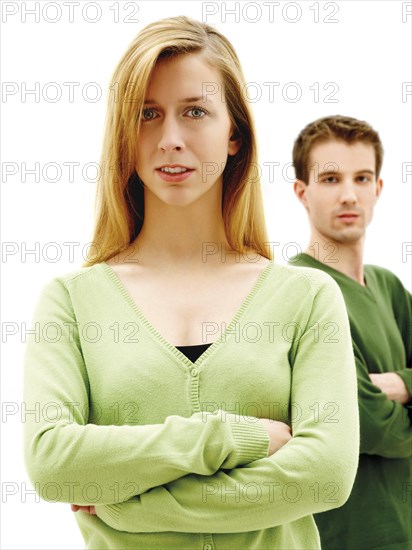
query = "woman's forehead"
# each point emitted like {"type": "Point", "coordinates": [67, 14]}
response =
{"type": "Point", "coordinates": [184, 78]}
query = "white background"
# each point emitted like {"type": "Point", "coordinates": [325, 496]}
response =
{"type": "Point", "coordinates": [365, 53]}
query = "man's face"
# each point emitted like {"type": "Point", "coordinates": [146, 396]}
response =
{"type": "Point", "coordinates": [342, 190]}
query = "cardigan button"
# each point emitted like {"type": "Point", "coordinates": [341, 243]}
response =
{"type": "Point", "coordinates": [195, 372]}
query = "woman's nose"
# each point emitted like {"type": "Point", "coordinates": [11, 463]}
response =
{"type": "Point", "coordinates": [171, 135]}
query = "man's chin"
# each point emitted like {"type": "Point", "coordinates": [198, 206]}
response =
{"type": "Point", "coordinates": [348, 237]}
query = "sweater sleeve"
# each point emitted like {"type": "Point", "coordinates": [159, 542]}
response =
{"type": "Point", "coordinates": [70, 460]}
{"type": "Point", "coordinates": [402, 301]}
{"type": "Point", "coordinates": [402, 308]}
{"type": "Point", "coordinates": [385, 425]}
{"type": "Point", "coordinates": [312, 473]}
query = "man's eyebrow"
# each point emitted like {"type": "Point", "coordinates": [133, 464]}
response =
{"type": "Point", "coordinates": [328, 173]}
{"type": "Point", "coordinates": [366, 171]}
{"type": "Point", "coordinates": [194, 99]}
{"type": "Point", "coordinates": [334, 172]}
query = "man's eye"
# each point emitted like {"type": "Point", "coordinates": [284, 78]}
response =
{"type": "Point", "coordinates": [363, 179]}
{"type": "Point", "coordinates": [330, 179]}
{"type": "Point", "coordinates": [197, 112]}
{"type": "Point", "coordinates": [148, 114]}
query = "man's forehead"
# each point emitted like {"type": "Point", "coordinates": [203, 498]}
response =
{"type": "Point", "coordinates": [347, 156]}
{"type": "Point", "coordinates": [342, 147]}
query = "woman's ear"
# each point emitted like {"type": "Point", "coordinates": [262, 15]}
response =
{"type": "Point", "coordinates": [235, 142]}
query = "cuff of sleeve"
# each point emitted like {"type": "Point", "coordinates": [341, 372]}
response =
{"type": "Point", "coordinates": [406, 375]}
{"type": "Point", "coordinates": [251, 440]}
{"type": "Point", "coordinates": [110, 514]}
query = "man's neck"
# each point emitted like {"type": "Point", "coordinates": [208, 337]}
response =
{"type": "Point", "coordinates": [346, 258]}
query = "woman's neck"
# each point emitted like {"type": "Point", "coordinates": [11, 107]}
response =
{"type": "Point", "coordinates": [183, 235]}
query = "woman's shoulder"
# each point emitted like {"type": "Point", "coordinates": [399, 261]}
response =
{"type": "Point", "coordinates": [86, 276]}
{"type": "Point", "coordinates": [308, 277]}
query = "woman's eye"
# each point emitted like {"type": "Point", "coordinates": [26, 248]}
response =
{"type": "Point", "coordinates": [148, 114]}
{"type": "Point", "coordinates": [197, 112]}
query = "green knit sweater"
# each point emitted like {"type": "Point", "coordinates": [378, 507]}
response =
{"type": "Point", "coordinates": [378, 513]}
{"type": "Point", "coordinates": [169, 451]}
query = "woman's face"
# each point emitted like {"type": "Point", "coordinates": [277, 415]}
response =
{"type": "Point", "coordinates": [185, 131]}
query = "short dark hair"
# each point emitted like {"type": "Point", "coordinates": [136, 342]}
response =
{"type": "Point", "coordinates": [343, 128]}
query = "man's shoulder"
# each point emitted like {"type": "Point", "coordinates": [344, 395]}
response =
{"type": "Point", "coordinates": [382, 275]}
{"type": "Point", "coordinates": [378, 269]}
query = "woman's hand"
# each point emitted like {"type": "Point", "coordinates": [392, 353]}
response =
{"type": "Point", "coordinates": [88, 509]}
{"type": "Point", "coordinates": [279, 434]}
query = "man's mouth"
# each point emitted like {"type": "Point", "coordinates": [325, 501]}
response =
{"type": "Point", "coordinates": [348, 216]}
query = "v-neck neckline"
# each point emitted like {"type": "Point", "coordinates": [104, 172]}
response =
{"type": "Point", "coordinates": [214, 345]}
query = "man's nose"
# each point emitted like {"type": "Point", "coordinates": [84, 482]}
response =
{"type": "Point", "coordinates": [348, 192]}
{"type": "Point", "coordinates": [171, 137]}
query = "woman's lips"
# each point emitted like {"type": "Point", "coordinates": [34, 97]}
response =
{"type": "Point", "coordinates": [167, 176]}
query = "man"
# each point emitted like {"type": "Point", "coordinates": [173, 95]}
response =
{"type": "Point", "coordinates": [337, 161]}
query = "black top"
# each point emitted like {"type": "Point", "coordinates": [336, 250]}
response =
{"type": "Point", "coordinates": [193, 352]}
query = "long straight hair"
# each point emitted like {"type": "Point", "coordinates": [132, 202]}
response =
{"type": "Point", "coordinates": [119, 202]}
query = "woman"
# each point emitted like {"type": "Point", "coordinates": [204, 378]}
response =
{"type": "Point", "coordinates": [191, 397]}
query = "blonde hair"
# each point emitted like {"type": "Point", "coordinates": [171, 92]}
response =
{"type": "Point", "coordinates": [119, 202]}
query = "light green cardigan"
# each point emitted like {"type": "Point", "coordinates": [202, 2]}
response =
{"type": "Point", "coordinates": [168, 450]}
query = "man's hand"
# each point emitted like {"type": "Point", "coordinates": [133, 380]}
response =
{"type": "Point", "coordinates": [88, 509]}
{"type": "Point", "coordinates": [392, 385]}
